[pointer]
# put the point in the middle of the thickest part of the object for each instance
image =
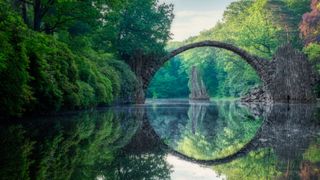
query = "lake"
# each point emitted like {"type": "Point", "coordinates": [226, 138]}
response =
{"type": "Point", "coordinates": [166, 139]}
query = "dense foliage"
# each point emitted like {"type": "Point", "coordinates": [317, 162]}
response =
{"type": "Point", "coordinates": [66, 55]}
{"type": "Point", "coordinates": [259, 27]}
{"type": "Point", "coordinates": [82, 146]}
{"type": "Point", "coordinates": [161, 85]}
{"type": "Point", "coordinates": [310, 31]}
{"type": "Point", "coordinates": [268, 163]}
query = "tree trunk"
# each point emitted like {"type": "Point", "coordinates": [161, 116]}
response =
{"type": "Point", "coordinates": [37, 15]}
{"type": "Point", "coordinates": [24, 13]}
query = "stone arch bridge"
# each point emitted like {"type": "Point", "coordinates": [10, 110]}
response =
{"type": "Point", "coordinates": [287, 78]}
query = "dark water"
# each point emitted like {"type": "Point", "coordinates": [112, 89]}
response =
{"type": "Point", "coordinates": [166, 140]}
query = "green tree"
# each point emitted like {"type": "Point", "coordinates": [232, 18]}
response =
{"type": "Point", "coordinates": [171, 81]}
{"type": "Point", "coordinates": [260, 27]}
{"type": "Point", "coordinates": [15, 92]}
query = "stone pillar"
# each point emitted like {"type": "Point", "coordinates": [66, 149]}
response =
{"type": "Point", "coordinates": [290, 77]}
{"type": "Point", "coordinates": [197, 87]}
{"type": "Point", "coordinates": [140, 93]}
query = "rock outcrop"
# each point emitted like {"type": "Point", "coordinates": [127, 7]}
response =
{"type": "Point", "coordinates": [197, 87]}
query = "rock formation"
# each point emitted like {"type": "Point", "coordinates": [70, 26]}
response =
{"type": "Point", "coordinates": [197, 87]}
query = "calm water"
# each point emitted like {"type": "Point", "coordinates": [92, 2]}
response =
{"type": "Point", "coordinates": [166, 140]}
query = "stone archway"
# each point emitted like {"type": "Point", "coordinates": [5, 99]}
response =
{"type": "Point", "coordinates": [287, 78]}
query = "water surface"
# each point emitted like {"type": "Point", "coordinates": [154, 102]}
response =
{"type": "Point", "coordinates": [174, 139]}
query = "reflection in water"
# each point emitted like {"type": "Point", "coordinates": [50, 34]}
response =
{"type": "Point", "coordinates": [282, 145]}
{"type": "Point", "coordinates": [72, 147]}
{"type": "Point", "coordinates": [166, 141]}
{"type": "Point", "coordinates": [206, 131]}
{"type": "Point", "coordinates": [190, 171]}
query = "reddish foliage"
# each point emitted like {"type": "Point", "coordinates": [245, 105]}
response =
{"type": "Point", "coordinates": [310, 24]}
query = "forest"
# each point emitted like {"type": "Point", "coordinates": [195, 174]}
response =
{"type": "Point", "coordinates": [72, 55]}
{"type": "Point", "coordinates": [252, 25]}
{"type": "Point", "coordinates": [73, 72]}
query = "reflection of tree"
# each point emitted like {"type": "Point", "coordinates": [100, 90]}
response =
{"type": "Point", "coordinates": [202, 130]}
{"type": "Point", "coordinates": [282, 147]}
{"type": "Point", "coordinates": [74, 147]}
{"type": "Point", "coordinates": [168, 121]}
{"type": "Point", "coordinates": [140, 166]}
{"type": "Point", "coordinates": [265, 164]}
{"type": "Point", "coordinates": [15, 153]}
{"type": "Point", "coordinates": [256, 165]}
{"type": "Point", "coordinates": [286, 138]}
{"type": "Point", "coordinates": [143, 158]}
{"type": "Point", "coordinates": [309, 167]}
{"type": "Point", "coordinates": [96, 144]}
{"type": "Point", "coordinates": [229, 129]}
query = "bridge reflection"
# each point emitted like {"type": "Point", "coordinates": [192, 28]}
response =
{"type": "Point", "coordinates": [287, 129]}
{"type": "Point", "coordinates": [137, 142]}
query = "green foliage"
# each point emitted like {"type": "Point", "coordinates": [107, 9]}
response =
{"type": "Point", "coordinates": [313, 52]}
{"type": "Point", "coordinates": [72, 61]}
{"type": "Point", "coordinates": [15, 153]}
{"type": "Point", "coordinates": [128, 81]}
{"type": "Point", "coordinates": [256, 165]}
{"type": "Point", "coordinates": [62, 79]}
{"type": "Point", "coordinates": [15, 92]}
{"type": "Point", "coordinates": [75, 147]}
{"type": "Point", "coordinates": [143, 26]}
{"type": "Point", "coordinates": [53, 73]}
{"type": "Point", "coordinates": [233, 128]}
{"type": "Point", "coordinates": [141, 166]}
{"type": "Point", "coordinates": [171, 81]}
{"type": "Point", "coordinates": [259, 27]}
{"type": "Point", "coordinates": [44, 73]}
{"type": "Point", "coordinates": [312, 154]}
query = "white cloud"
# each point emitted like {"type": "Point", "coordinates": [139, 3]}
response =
{"type": "Point", "coordinates": [194, 16]}
{"type": "Point", "coordinates": [190, 23]}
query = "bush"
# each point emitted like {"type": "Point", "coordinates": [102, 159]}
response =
{"type": "Point", "coordinates": [39, 73]}
{"type": "Point", "coordinates": [313, 52]}
{"type": "Point", "coordinates": [54, 73]}
{"type": "Point", "coordinates": [15, 93]}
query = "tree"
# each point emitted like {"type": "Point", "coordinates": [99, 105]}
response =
{"type": "Point", "coordinates": [310, 31]}
{"type": "Point", "coordinates": [142, 28]}
{"type": "Point", "coordinates": [310, 24]}
{"type": "Point", "coordinates": [171, 81]}
{"type": "Point", "coordinates": [15, 92]}
{"type": "Point", "coordinates": [52, 15]}
{"type": "Point", "coordinates": [260, 27]}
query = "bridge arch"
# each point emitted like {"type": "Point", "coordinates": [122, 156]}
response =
{"type": "Point", "coordinates": [287, 78]}
{"type": "Point", "coordinates": [259, 64]}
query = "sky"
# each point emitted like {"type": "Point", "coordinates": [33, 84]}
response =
{"type": "Point", "coordinates": [183, 170]}
{"type": "Point", "coordinates": [194, 16]}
